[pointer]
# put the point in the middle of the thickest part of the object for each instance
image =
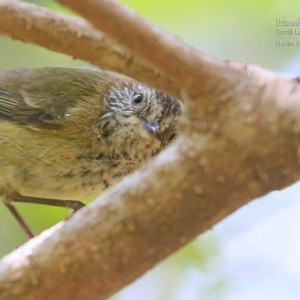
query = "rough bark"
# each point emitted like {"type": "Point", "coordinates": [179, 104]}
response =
{"type": "Point", "coordinates": [239, 140]}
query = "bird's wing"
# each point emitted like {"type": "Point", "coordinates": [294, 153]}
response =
{"type": "Point", "coordinates": [42, 98]}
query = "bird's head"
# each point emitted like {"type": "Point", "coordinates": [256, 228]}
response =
{"type": "Point", "coordinates": [139, 121]}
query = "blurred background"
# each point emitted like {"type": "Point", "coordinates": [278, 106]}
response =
{"type": "Point", "coordinates": [254, 253]}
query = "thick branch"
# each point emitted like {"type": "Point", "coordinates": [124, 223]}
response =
{"type": "Point", "coordinates": [184, 191]}
{"type": "Point", "coordinates": [77, 38]}
{"type": "Point", "coordinates": [192, 69]}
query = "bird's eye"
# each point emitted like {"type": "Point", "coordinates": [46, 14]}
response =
{"type": "Point", "coordinates": [138, 99]}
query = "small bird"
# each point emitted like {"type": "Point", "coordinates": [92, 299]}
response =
{"type": "Point", "coordinates": [69, 133]}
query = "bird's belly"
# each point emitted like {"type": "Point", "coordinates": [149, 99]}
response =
{"type": "Point", "coordinates": [62, 189]}
{"type": "Point", "coordinates": [69, 181]}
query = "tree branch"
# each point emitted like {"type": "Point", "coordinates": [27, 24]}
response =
{"type": "Point", "coordinates": [77, 38]}
{"type": "Point", "coordinates": [192, 69]}
{"type": "Point", "coordinates": [154, 212]}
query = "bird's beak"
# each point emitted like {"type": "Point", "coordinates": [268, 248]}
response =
{"type": "Point", "coordinates": [151, 126]}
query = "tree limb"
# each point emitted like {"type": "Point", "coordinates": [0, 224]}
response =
{"type": "Point", "coordinates": [75, 37]}
{"type": "Point", "coordinates": [185, 190]}
{"type": "Point", "coordinates": [192, 69]}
